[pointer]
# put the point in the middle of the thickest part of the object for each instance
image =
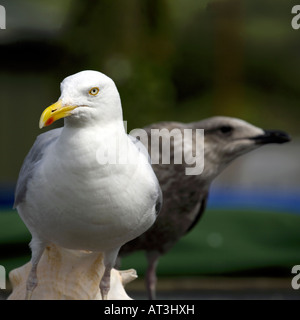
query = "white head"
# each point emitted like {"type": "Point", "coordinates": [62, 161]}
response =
{"type": "Point", "coordinates": [87, 98]}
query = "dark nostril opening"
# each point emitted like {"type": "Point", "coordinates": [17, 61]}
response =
{"type": "Point", "coordinates": [53, 110]}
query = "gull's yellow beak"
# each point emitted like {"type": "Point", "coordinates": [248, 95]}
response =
{"type": "Point", "coordinates": [54, 112]}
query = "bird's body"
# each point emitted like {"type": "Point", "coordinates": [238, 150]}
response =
{"type": "Point", "coordinates": [83, 203]}
{"type": "Point", "coordinates": [185, 196]}
{"type": "Point", "coordinates": [67, 196]}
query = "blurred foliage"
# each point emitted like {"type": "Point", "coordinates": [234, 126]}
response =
{"type": "Point", "coordinates": [232, 242]}
{"type": "Point", "coordinates": [226, 242]}
{"type": "Point", "coordinates": [171, 60]}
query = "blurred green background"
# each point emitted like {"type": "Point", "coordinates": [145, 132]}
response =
{"type": "Point", "coordinates": [181, 60]}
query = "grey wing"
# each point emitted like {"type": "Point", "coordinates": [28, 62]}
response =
{"type": "Point", "coordinates": [200, 212]}
{"type": "Point", "coordinates": [31, 162]}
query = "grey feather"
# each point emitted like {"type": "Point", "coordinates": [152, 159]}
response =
{"type": "Point", "coordinates": [32, 160]}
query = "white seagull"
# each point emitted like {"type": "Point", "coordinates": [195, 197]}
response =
{"type": "Point", "coordinates": [66, 196]}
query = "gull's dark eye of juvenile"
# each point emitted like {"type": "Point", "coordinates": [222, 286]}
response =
{"type": "Point", "coordinates": [226, 129]}
{"type": "Point", "coordinates": [94, 91]}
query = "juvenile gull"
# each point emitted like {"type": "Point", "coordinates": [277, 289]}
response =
{"type": "Point", "coordinates": [185, 196]}
{"type": "Point", "coordinates": [66, 196]}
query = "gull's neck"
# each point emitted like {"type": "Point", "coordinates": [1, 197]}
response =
{"type": "Point", "coordinates": [94, 132]}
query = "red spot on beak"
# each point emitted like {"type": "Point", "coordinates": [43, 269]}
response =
{"type": "Point", "coordinates": [49, 121]}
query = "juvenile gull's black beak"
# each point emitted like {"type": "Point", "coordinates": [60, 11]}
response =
{"type": "Point", "coordinates": [272, 136]}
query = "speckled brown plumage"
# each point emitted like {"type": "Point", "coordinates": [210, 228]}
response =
{"type": "Point", "coordinates": [185, 196]}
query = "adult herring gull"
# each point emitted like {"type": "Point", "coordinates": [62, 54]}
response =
{"type": "Point", "coordinates": [67, 195]}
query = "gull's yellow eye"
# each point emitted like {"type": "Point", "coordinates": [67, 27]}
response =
{"type": "Point", "coordinates": [94, 91]}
